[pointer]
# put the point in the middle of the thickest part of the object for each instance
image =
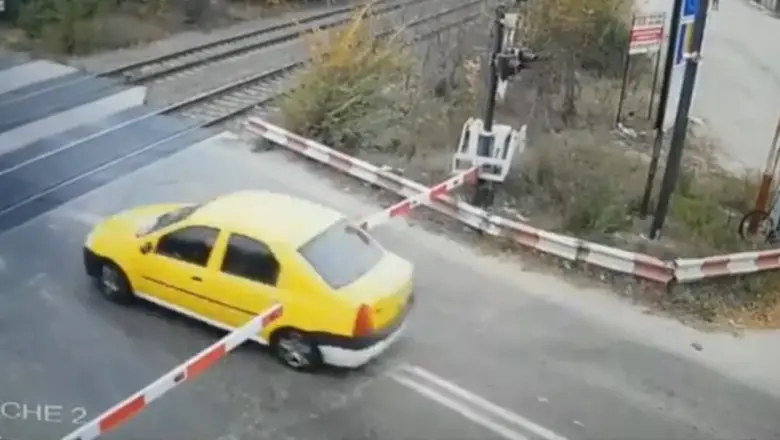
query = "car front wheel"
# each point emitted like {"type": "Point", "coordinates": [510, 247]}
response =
{"type": "Point", "coordinates": [113, 284]}
{"type": "Point", "coordinates": [295, 350]}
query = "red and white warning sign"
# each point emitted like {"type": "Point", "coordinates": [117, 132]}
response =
{"type": "Point", "coordinates": [647, 33]}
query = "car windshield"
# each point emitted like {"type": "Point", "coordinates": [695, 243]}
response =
{"type": "Point", "coordinates": [168, 219]}
{"type": "Point", "coordinates": [341, 254]}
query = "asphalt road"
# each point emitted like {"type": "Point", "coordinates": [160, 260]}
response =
{"type": "Point", "coordinates": [739, 80]}
{"type": "Point", "coordinates": [739, 84]}
{"type": "Point", "coordinates": [549, 358]}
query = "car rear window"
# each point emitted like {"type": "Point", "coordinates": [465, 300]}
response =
{"type": "Point", "coordinates": [341, 254]}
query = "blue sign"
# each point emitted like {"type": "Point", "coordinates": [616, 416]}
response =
{"type": "Point", "coordinates": [681, 40]}
{"type": "Point", "coordinates": [689, 8]}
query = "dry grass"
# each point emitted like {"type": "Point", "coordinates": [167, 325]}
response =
{"type": "Point", "coordinates": [588, 183]}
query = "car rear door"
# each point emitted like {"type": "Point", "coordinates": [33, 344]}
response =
{"type": "Point", "coordinates": [175, 272]}
{"type": "Point", "coordinates": [246, 279]}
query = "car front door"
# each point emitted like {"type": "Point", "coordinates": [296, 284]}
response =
{"type": "Point", "coordinates": [247, 279]}
{"type": "Point", "coordinates": [175, 272]}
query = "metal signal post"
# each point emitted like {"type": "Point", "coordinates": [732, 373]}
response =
{"type": "Point", "coordinates": [485, 193]}
{"type": "Point", "coordinates": [666, 84]}
{"type": "Point", "coordinates": [484, 143]}
{"type": "Point", "coordinates": [674, 161]}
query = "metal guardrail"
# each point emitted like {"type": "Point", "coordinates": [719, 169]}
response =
{"type": "Point", "coordinates": [665, 272]}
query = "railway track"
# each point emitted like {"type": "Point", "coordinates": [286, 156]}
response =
{"type": "Point", "coordinates": [218, 105]}
{"type": "Point", "coordinates": [172, 65]}
{"type": "Point", "coordinates": [234, 99]}
{"type": "Point", "coordinates": [166, 66]}
{"type": "Point", "coordinates": [155, 68]}
{"type": "Point", "coordinates": [66, 171]}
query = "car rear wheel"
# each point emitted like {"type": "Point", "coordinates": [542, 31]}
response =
{"type": "Point", "coordinates": [295, 350]}
{"type": "Point", "coordinates": [113, 284]}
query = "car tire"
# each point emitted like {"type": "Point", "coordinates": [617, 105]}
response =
{"type": "Point", "coordinates": [296, 350]}
{"type": "Point", "coordinates": [113, 283]}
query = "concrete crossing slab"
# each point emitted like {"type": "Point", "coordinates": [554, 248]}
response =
{"type": "Point", "coordinates": [41, 86]}
{"type": "Point", "coordinates": [22, 75]}
{"type": "Point", "coordinates": [64, 133]}
{"type": "Point", "coordinates": [8, 61]}
{"type": "Point", "coordinates": [48, 146]}
{"type": "Point", "coordinates": [60, 109]}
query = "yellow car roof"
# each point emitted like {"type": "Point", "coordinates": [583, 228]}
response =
{"type": "Point", "coordinates": [268, 216]}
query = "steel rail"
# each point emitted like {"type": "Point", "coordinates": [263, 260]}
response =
{"type": "Point", "coordinates": [123, 70]}
{"type": "Point", "coordinates": [273, 74]}
{"type": "Point", "coordinates": [215, 120]}
{"type": "Point", "coordinates": [138, 73]}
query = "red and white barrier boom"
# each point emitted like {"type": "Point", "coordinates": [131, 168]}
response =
{"type": "Point", "coordinates": [405, 206]}
{"type": "Point", "coordinates": [133, 405]}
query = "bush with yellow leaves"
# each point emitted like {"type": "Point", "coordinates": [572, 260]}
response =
{"type": "Point", "coordinates": [353, 89]}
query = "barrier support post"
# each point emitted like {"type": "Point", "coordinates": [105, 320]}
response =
{"type": "Point", "coordinates": [485, 193]}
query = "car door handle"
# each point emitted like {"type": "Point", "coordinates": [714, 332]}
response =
{"type": "Point", "coordinates": [197, 278]}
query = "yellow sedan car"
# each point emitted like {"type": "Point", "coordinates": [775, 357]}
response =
{"type": "Point", "coordinates": [345, 297]}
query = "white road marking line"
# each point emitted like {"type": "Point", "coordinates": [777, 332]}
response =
{"type": "Point", "coordinates": [486, 405]}
{"type": "Point", "coordinates": [460, 408]}
{"type": "Point", "coordinates": [84, 217]}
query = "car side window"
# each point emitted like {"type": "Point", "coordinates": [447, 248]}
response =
{"type": "Point", "coordinates": [248, 258]}
{"type": "Point", "coordinates": [192, 244]}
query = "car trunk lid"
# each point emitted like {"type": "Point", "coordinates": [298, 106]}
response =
{"type": "Point", "coordinates": [386, 290]}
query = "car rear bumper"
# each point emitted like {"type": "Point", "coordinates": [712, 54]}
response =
{"type": "Point", "coordinates": [353, 352]}
{"type": "Point", "coordinates": [354, 358]}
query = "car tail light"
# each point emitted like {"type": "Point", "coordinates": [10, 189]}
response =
{"type": "Point", "coordinates": [364, 325]}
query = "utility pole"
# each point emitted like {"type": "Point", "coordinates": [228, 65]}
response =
{"type": "Point", "coordinates": [767, 179]}
{"type": "Point", "coordinates": [663, 102]}
{"type": "Point", "coordinates": [674, 161]}
{"type": "Point", "coordinates": [485, 193]}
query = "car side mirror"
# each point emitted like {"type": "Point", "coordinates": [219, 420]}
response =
{"type": "Point", "coordinates": [146, 248]}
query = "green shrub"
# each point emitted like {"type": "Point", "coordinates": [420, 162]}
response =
{"type": "Point", "coordinates": [64, 25]}
{"type": "Point", "coordinates": [584, 183]}
{"type": "Point", "coordinates": [605, 54]}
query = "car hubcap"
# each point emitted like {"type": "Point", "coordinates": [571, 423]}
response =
{"type": "Point", "coordinates": [294, 351]}
{"type": "Point", "coordinates": [110, 280]}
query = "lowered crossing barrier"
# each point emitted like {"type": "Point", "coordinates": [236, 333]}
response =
{"type": "Point", "coordinates": [692, 269]}
{"type": "Point", "coordinates": [428, 196]}
{"type": "Point", "coordinates": [192, 368]}
{"type": "Point", "coordinates": [681, 270]}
